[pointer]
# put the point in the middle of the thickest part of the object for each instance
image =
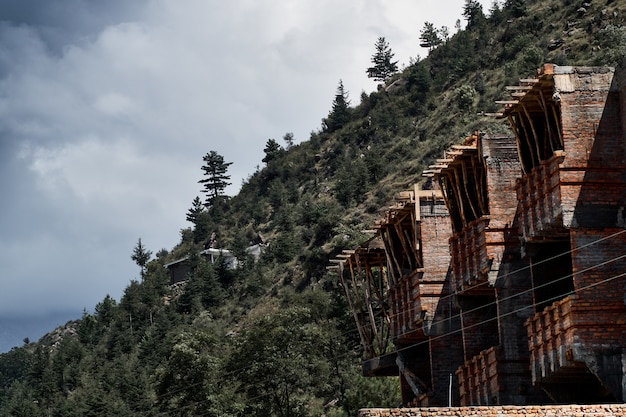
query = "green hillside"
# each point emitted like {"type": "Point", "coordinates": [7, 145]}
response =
{"type": "Point", "coordinates": [274, 337]}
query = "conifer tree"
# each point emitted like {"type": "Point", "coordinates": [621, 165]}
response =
{"type": "Point", "coordinates": [272, 150]}
{"type": "Point", "coordinates": [196, 209]}
{"type": "Point", "coordinates": [288, 138]}
{"type": "Point", "coordinates": [141, 256]}
{"type": "Point", "coordinates": [429, 37]}
{"type": "Point", "coordinates": [216, 179]}
{"type": "Point", "coordinates": [340, 113]}
{"type": "Point", "coordinates": [383, 67]}
{"type": "Point", "coordinates": [473, 12]}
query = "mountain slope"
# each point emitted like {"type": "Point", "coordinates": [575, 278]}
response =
{"type": "Point", "coordinates": [274, 337]}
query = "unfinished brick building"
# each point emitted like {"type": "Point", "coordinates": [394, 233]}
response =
{"type": "Point", "coordinates": [522, 295]}
{"type": "Point", "coordinates": [398, 286]}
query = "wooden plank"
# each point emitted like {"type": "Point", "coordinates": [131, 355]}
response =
{"type": "Point", "coordinates": [417, 206]}
{"type": "Point", "coordinates": [430, 194]}
{"type": "Point", "coordinates": [518, 87]}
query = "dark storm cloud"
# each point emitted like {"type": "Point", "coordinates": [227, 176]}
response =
{"type": "Point", "coordinates": [60, 22]}
{"type": "Point", "coordinates": [107, 107]}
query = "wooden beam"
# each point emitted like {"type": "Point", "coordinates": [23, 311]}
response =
{"type": "Point", "coordinates": [478, 183]}
{"type": "Point", "coordinates": [464, 147]}
{"type": "Point", "coordinates": [535, 136]}
{"type": "Point", "coordinates": [417, 206]}
{"type": "Point", "coordinates": [364, 339]}
{"type": "Point", "coordinates": [516, 132]}
{"type": "Point", "coordinates": [466, 187]}
{"type": "Point", "coordinates": [458, 197]}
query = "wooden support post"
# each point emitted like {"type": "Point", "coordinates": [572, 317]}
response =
{"type": "Point", "coordinates": [478, 182]}
{"type": "Point", "coordinates": [518, 140]}
{"type": "Point", "coordinates": [404, 240]}
{"type": "Point", "coordinates": [364, 340]}
{"type": "Point", "coordinates": [467, 193]}
{"type": "Point", "coordinates": [535, 136]}
{"type": "Point", "coordinates": [368, 304]}
{"type": "Point", "coordinates": [459, 197]}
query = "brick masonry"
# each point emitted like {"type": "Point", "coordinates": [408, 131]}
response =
{"type": "Point", "coordinates": [536, 261]}
{"type": "Point", "coordinates": [598, 410]}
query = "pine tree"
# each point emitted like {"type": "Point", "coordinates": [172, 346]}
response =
{"type": "Point", "coordinates": [195, 210]}
{"type": "Point", "coordinates": [340, 113]}
{"type": "Point", "coordinates": [383, 67]}
{"type": "Point", "coordinates": [141, 256]}
{"type": "Point", "coordinates": [429, 37]}
{"type": "Point", "coordinates": [288, 138]}
{"type": "Point", "coordinates": [272, 150]}
{"type": "Point", "coordinates": [473, 12]}
{"type": "Point", "coordinates": [216, 179]}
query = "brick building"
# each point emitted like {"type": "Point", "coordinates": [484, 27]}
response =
{"type": "Point", "coordinates": [517, 287]}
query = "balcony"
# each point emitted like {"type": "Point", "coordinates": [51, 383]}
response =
{"type": "Point", "coordinates": [576, 350]}
{"type": "Point", "coordinates": [477, 252]}
{"type": "Point", "coordinates": [539, 193]}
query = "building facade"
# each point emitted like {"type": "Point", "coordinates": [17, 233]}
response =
{"type": "Point", "coordinates": [514, 291]}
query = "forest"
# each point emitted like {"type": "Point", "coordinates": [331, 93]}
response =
{"type": "Point", "coordinates": [273, 336]}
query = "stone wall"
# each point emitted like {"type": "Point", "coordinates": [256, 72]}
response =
{"type": "Point", "coordinates": [597, 410]}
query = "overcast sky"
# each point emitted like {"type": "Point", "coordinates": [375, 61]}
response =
{"type": "Point", "coordinates": [107, 107]}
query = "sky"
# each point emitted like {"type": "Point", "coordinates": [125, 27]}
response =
{"type": "Point", "coordinates": [107, 108]}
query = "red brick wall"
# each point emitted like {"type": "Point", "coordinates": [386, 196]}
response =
{"type": "Point", "coordinates": [598, 410]}
{"type": "Point", "coordinates": [599, 284]}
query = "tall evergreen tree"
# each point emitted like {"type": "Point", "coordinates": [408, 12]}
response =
{"type": "Point", "coordinates": [201, 220]}
{"type": "Point", "coordinates": [141, 256]}
{"type": "Point", "coordinates": [272, 150]}
{"type": "Point", "coordinates": [383, 67]}
{"type": "Point", "coordinates": [429, 37]}
{"type": "Point", "coordinates": [340, 113]}
{"type": "Point", "coordinates": [216, 179]}
{"type": "Point", "coordinates": [473, 12]}
{"type": "Point", "coordinates": [195, 210]}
